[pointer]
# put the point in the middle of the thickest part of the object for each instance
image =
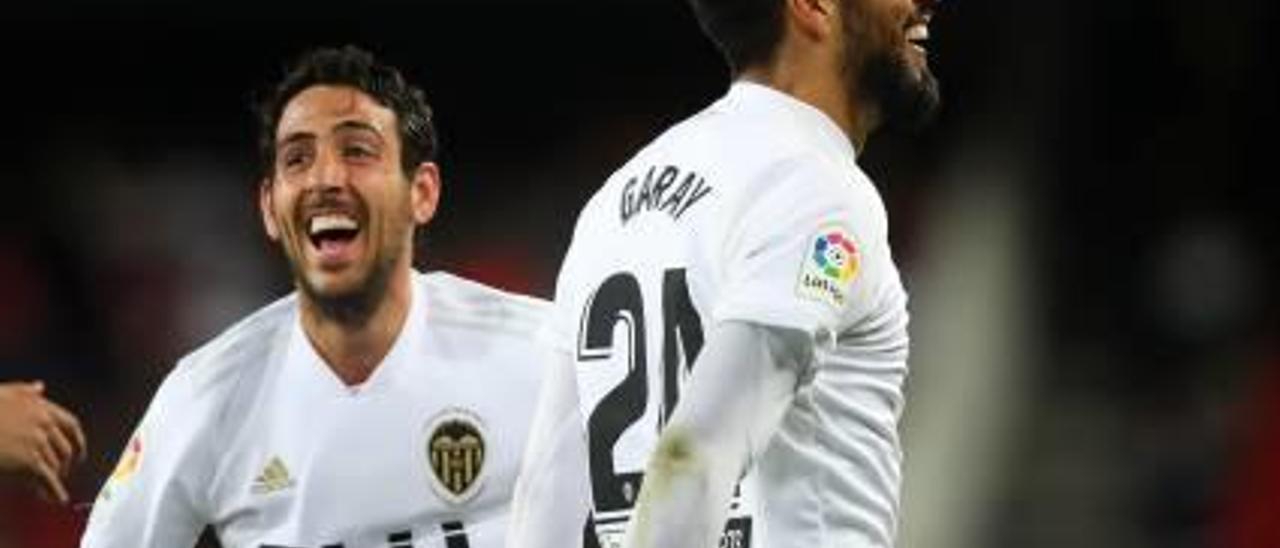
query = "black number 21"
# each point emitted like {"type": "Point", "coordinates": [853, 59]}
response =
{"type": "Point", "coordinates": [619, 299]}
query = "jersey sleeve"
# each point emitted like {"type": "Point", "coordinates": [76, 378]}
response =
{"type": "Point", "coordinates": [741, 387]}
{"type": "Point", "coordinates": [154, 498]}
{"type": "Point", "coordinates": [550, 502]}
{"type": "Point", "coordinates": [556, 332]}
{"type": "Point", "coordinates": [793, 255]}
{"type": "Point", "coordinates": [560, 329]}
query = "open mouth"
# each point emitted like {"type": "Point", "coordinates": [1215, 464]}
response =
{"type": "Point", "coordinates": [332, 233]}
{"type": "Point", "coordinates": [917, 31]}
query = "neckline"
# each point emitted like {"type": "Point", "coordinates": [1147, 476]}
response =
{"type": "Point", "coordinates": [303, 353]}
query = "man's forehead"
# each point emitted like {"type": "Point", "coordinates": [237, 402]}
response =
{"type": "Point", "coordinates": [323, 108]}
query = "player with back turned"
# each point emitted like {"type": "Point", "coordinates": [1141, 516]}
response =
{"type": "Point", "coordinates": [730, 324]}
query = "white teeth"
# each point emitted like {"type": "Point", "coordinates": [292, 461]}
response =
{"type": "Point", "coordinates": [321, 223]}
{"type": "Point", "coordinates": [918, 33]}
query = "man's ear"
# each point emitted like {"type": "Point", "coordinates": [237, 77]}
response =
{"type": "Point", "coordinates": [813, 18]}
{"type": "Point", "coordinates": [267, 206]}
{"type": "Point", "coordinates": [424, 192]}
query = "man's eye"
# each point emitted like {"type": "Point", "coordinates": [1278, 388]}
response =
{"type": "Point", "coordinates": [358, 151]}
{"type": "Point", "coordinates": [293, 158]}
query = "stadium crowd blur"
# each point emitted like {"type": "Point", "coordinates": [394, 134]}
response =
{"type": "Point", "coordinates": [1087, 233]}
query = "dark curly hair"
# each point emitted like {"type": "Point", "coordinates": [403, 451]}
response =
{"type": "Point", "coordinates": [357, 68]}
{"type": "Point", "coordinates": [746, 31]}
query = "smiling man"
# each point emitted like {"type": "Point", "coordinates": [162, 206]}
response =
{"type": "Point", "coordinates": [731, 327]}
{"type": "Point", "coordinates": [376, 406]}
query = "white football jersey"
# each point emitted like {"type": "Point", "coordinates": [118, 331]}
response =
{"type": "Point", "coordinates": [752, 210]}
{"type": "Point", "coordinates": [254, 434]}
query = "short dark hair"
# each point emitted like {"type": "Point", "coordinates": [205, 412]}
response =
{"type": "Point", "coordinates": [357, 68]}
{"type": "Point", "coordinates": [746, 31]}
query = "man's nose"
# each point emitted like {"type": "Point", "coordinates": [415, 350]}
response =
{"type": "Point", "coordinates": [328, 171]}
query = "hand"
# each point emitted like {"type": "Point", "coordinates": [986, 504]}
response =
{"type": "Point", "coordinates": [38, 438]}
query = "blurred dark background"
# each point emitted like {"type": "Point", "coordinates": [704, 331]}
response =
{"type": "Point", "coordinates": [1086, 233]}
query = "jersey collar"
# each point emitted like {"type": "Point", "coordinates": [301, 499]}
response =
{"type": "Point", "coordinates": [768, 101]}
{"type": "Point", "coordinates": [303, 356]}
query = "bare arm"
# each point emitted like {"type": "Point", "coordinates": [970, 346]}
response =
{"type": "Point", "coordinates": [742, 384]}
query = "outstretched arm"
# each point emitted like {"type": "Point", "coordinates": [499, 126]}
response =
{"type": "Point", "coordinates": [742, 384]}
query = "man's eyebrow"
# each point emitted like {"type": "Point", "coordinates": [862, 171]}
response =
{"type": "Point", "coordinates": [295, 137]}
{"type": "Point", "coordinates": [357, 125]}
{"type": "Point", "coordinates": [345, 125]}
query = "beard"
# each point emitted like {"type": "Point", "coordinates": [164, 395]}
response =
{"type": "Point", "coordinates": [906, 99]}
{"type": "Point", "coordinates": [353, 307]}
{"type": "Point", "coordinates": [349, 306]}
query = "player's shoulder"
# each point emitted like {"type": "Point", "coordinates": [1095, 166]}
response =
{"type": "Point", "coordinates": [818, 176]}
{"type": "Point", "coordinates": [757, 134]}
{"type": "Point", "coordinates": [771, 134]}
{"type": "Point", "coordinates": [701, 145]}
{"type": "Point", "coordinates": [461, 302]}
{"type": "Point", "coordinates": [245, 346]}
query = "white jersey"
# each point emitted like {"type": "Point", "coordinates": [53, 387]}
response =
{"type": "Point", "coordinates": [752, 210]}
{"type": "Point", "coordinates": [254, 434]}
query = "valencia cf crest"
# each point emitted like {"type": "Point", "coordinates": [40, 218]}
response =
{"type": "Point", "coordinates": [456, 454]}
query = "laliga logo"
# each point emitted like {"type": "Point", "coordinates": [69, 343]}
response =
{"type": "Point", "coordinates": [125, 468]}
{"type": "Point", "coordinates": [836, 256]}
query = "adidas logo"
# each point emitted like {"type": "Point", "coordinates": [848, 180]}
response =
{"type": "Point", "coordinates": [274, 477]}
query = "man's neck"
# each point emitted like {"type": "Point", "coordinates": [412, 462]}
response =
{"type": "Point", "coordinates": [824, 90]}
{"type": "Point", "coordinates": [353, 352]}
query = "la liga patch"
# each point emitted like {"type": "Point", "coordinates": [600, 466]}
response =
{"type": "Point", "coordinates": [829, 267]}
{"type": "Point", "coordinates": [128, 465]}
